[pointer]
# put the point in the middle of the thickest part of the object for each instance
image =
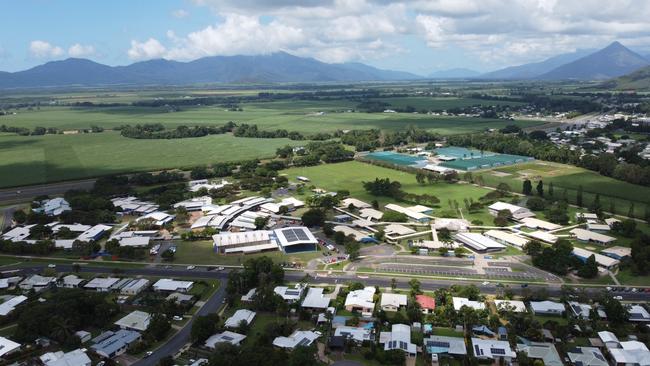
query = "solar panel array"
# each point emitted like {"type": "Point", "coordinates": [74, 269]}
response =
{"type": "Point", "coordinates": [438, 344]}
{"type": "Point", "coordinates": [293, 235]}
{"type": "Point", "coordinates": [497, 351]}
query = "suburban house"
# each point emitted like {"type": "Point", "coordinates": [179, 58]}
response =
{"type": "Point", "coordinates": [547, 307]}
{"type": "Point", "coordinates": [315, 299]}
{"type": "Point", "coordinates": [7, 346]}
{"type": "Point", "coordinates": [427, 303]}
{"type": "Point", "coordinates": [71, 281]}
{"type": "Point", "coordinates": [438, 346]}
{"type": "Point", "coordinates": [627, 352]}
{"type": "Point", "coordinates": [361, 300]}
{"type": "Point", "coordinates": [510, 305]}
{"type": "Point", "coordinates": [224, 337]}
{"type": "Point", "coordinates": [37, 283]}
{"type": "Point", "coordinates": [587, 356]}
{"type": "Point", "coordinates": [9, 305]}
{"type": "Point", "coordinates": [53, 207]}
{"type": "Point", "coordinates": [638, 313]}
{"type": "Point", "coordinates": [101, 284]}
{"type": "Point", "coordinates": [392, 302]}
{"type": "Point", "coordinates": [297, 338]}
{"type": "Point", "coordinates": [169, 285]}
{"type": "Point", "coordinates": [459, 302]}
{"type": "Point", "coordinates": [398, 338]}
{"type": "Point", "coordinates": [241, 315]}
{"type": "Point", "coordinates": [111, 344]}
{"type": "Point", "coordinates": [289, 294]}
{"type": "Point", "coordinates": [602, 261]}
{"type": "Point", "coordinates": [546, 352]}
{"type": "Point", "coordinates": [488, 349]}
{"type": "Point", "coordinates": [76, 357]}
{"type": "Point", "coordinates": [136, 320]}
{"type": "Point", "coordinates": [356, 334]}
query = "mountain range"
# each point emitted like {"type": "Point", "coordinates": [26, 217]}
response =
{"type": "Point", "coordinates": [612, 61]}
{"type": "Point", "coordinates": [276, 67]}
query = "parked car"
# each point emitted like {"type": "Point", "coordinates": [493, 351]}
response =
{"type": "Point", "coordinates": [189, 268]}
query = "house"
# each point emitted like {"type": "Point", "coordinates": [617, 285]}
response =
{"type": "Point", "coordinates": [443, 345]}
{"type": "Point", "coordinates": [77, 357]}
{"type": "Point", "coordinates": [291, 203]}
{"type": "Point", "coordinates": [602, 260]}
{"type": "Point", "coordinates": [546, 352]}
{"type": "Point", "coordinates": [112, 344]}
{"type": "Point", "coordinates": [543, 236]}
{"type": "Point", "coordinates": [638, 313]}
{"type": "Point", "coordinates": [9, 305]}
{"type": "Point", "coordinates": [194, 204]}
{"type": "Point", "coordinates": [289, 294]}
{"type": "Point", "coordinates": [37, 283]}
{"type": "Point", "coordinates": [625, 353]}
{"type": "Point", "coordinates": [579, 310]}
{"type": "Point", "coordinates": [19, 233]}
{"type": "Point", "coordinates": [224, 337]}
{"type": "Point", "coordinates": [587, 236]}
{"type": "Point", "coordinates": [356, 334]}
{"type": "Point", "coordinates": [482, 330]}
{"type": "Point", "coordinates": [612, 221]}
{"type": "Point", "coordinates": [547, 307]}
{"type": "Point", "coordinates": [7, 346]}
{"type": "Point", "coordinates": [71, 281]}
{"type": "Point", "coordinates": [248, 297]}
{"type": "Point", "coordinates": [427, 303]}
{"type": "Point", "coordinates": [505, 237]}
{"type": "Point", "coordinates": [488, 349]}
{"type": "Point", "coordinates": [133, 206]}
{"type": "Point", "coordinates": [134, 287]}
{"type": "Point", "coordinates": [9, 282]}
{"type": "Point", "coordinates": [459, 302]}
{"type": "Point", "coordinates": [83, 336]}
{"type": "Point", "coordinates": [510, 305]}
{"type": "Point", "coordinates": [392, 302]}
{"type": "Point", "coordinates": [348, 231]}
{"type": "Point", "coordinates": [361, 300]}
{"type": "Point", "coordinates": [516, 212]}
{"type": "Point", "coordinates": [179, 298]}
{"type": "Point", "coordinates": [398, 338]}
{"type": "Point", "coordinates": [421, 209]}
{"type": "Point", "coordinates": [315, 299]}
{"type": "Point", "coordinates": [587, 217]}
{"type": "Point", "coordinates": [298, 338]}
{"type": "Point", "coordinates": [94, 233]}
{"type": "Point", "coordinates": [398, 230]}
{"type": "Point", "coordinates": [101, 284]}
{"type": "Point", "coordinates": [241, 315]}
{"type": "Point", "coordinates": [136, 320]}
{"type": "Point", "coordinates": [478, 242]}
{"type": "Point", "coordinates": [170, 285]}
{"type": "Point", "coordinates": [599, 228]}
{"type": "Point", "coordinates": [347, 202]}
{"type": "Point", "coordinates": [587, 356]}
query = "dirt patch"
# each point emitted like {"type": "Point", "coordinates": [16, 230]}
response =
{"type": "Point", "coordinates": [497, 173]}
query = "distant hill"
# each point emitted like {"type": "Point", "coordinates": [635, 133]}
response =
{"type": "Point", "coordinates": [456, 73]}
{"type": "Point", "coordinates": [535, 69]}
{"type": "Point", "coordinates": [638, 80]}
{"type": "Point", "coordinates": [276, 67]}
{"type": "Point", "coordinates": [612, 61]}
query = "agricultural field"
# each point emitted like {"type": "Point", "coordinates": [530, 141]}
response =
{"type": "Point", "coordinates": [49, 158]}
{"type": "Point", "coordinates": [570, 178]}
{"type": "Point", "coordinates": [351, 175]}
{"type": "Point", "coordinates": [442, 103]}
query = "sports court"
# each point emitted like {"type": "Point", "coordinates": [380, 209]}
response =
{"type": "Point", "coordinates": [468, 160]}
{"type": "Point", "coordinates": [397, 159]}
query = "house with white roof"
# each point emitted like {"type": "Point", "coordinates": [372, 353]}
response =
{"type": "Point", "coordinates": [76, 357]}
{"type": "Point", "coordinates": [71, 281]}
{"type": "Point", "coordinates": [617, 252]}
{"type": "Point", "coordinates": [546, 352]}
{"type": "Point", "coordinates": [534, 223]}
{"type": "Point", "coordinates": [37, 283]}
{"type": "Point", "coordinates": [7, 346]}
{"type": "Point", "coordinates": [292, 203]}
{"type": "Point", "coordinates": [516, 212]}
{"type": "Point", "coordinates": [638, 313]}
{"type": "Point", "coordinates": [101, 284]}
{"type": "Point", "coordinates": [94, 233]}
{"type": "Point", "coordinates": [19, 233]}
{"type": "Point", "coordinates": [371, 214]}
{"type": "Point", "coordinates": [111, 344]}
{"type": "Point", "coordinates": [347, 202]}
{"type": "Point", "coordinates": [358, 235]}
{"type": "Point", "coordinates": [136, 320]}
{"type": "Point", "coordinates": [158, 218]}
{"type": "Point", "coordinates": [302, 338]}
{"type": "Point", "coordinates": [443, 345]}
{"type": "Point", "coordinates": [171, 285]}
{"type": "Point", "coordinates": [505, 237]}
{"type": "Point", "coordinates": [392, 302]}
{"type": "Point", "coordinates": [515, 306]}
{"type": "Point", "coordinates": [244, 242]}
{"type": "Point", "coordinates": [241, 315]}
{"type": "Point", "coordinates": [224, 337]}
{"type": "Point", "coordinates": [9, 305]}
{"type": "Point", "coordinates": [194, 204]}
{"type": "Point", "coordinates": [399, 338]}
{"type": "Point", "coordinates": [289, 294]}
{"type": "Point", "coordinates": [543, 236]}
{"type": "Point", "coordinates": [602, 260]}
{"type": "Point", "coordinates": [459, 302]}
{"type": "Point", "coordinates": [53, 207]}
{"type": "Point", "coordinates": [488, 349]}
{"type": "Point", "coordinates": [134, 287]}
{"type": "Point", "coordinates": [412, 215]}
{"type": "Point", "coordinates": [625, 353]}
{"type": "Point", "coordinates": [361, 300]}
{"type": "Point", "coordinates": [587, 356]}
{"type": "Point", "coordinates": [357, 334]}
{"type": "Point", "coordinates": [547, 307]}
{"type": "Point", "coordinates": [398, 230]}
{"type": "Point", "coordinates": [315, 299]}
{"type": "Point", "coordinates": [579, 310]}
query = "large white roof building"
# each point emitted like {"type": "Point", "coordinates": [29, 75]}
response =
{"type": "Point", "coordinates": [459, 302]}
{"type": "Point", "coordinates": [517, 212]}
{"type": "Point", "coordinates": [478, 242]}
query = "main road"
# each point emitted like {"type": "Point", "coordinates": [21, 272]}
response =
{"type": "Point", "coordinates": [26, 193]}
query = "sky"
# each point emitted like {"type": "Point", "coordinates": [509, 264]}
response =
{"type": "Point", "coordinates": [419, 36]}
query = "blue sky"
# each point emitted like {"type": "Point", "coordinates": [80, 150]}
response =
{"type": "Point", "coordinates": [420, 36]}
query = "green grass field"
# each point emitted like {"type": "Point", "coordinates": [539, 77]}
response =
{"type": "Point", "coordinates": [41, 159]}
{"type": "Point", "coordinates": [570, 178]}
{"type": "Point", "coordinates": [436, 103]}
{"type": "Point", "coordinates": [351, 175]}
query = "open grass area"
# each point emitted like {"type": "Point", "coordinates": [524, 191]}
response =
{"type": "Point", "coordinates": [439, 103]}
{"type": "Point", "coordinates": [569, 178]}
{"type": "Point", "coordinates": [626, 277]}
{"type": "Point", "coordinates": [351, 175]}
{"type": "Point", "coordinates": [200, 252]}
{"type": "Point", "coordinates": [41, 159]}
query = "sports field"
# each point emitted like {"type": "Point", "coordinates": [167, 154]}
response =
{"type": "Point", "coordinates": [40, 159]}
{"type": "Point", "coordinates": [351, 175]}
{"type": "Point", "coordinates": [570, 178]}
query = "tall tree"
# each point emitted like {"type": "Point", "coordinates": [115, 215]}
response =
{"type": "Point", "coordinates": [579, 196]}
{"type": "Point", "coordinates": [527, 188]}
{"type": "Point", "coordinates": [540, 188]}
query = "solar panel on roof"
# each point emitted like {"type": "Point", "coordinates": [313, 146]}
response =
{"type": "Point", "coordinates": [439, 344]}
{"type": "Point", "coordinates": [301, 234]}
{"type": "Point", "coordinates": [497, 351]}
{"type": "Point", "coordinates": [228, 338]}
{"type": "Point", "coordinates": [599, 356]}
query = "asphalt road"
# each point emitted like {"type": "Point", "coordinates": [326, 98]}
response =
{"type": "Point", "coordinates": [22, 194]}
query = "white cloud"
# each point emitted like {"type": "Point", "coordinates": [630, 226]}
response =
{"type": "Point", "coordinates": [147, 50]}
{"type": "Point", "coordinates": [79, 50]}
{"type": "Point", "coordinates": [42, 49]}
{"type": "Point", "coordinates": [180, 13]}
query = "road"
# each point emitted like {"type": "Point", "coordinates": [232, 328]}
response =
{"type": "Point", "coordinates": [23, 194]}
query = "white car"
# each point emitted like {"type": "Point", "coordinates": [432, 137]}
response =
{"type": "Point", "coordinates": [189, 268]}
{"type": "Point", "coordinates": [485, 283]}
{"type": "Point", "coordinates": [51, 265]}
{"type": "Point", "coordinates": [619, 298]}
{"type": "Point", "coordinates": [177, 318]}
